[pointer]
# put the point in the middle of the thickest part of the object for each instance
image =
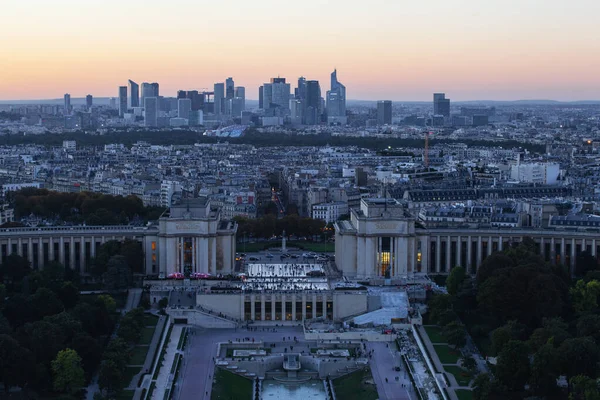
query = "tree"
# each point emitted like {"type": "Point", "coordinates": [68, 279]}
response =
{"type": "Point", "coordinates": [15, 362]}
{"type": "Point", "coordinates": [585, 262]}
{"type": "Point", "coordinates": [163, 303]}
{"type": "Point", "coordinates": [455, 334]}
{"type": "Point", "coordinates": [110, 378]}
{"type": "Point", "coordinates": [492, 264]}
{"type": "Point", "coordinates": [439, 305]}
{"type": "Point", "coordinates": [499, 337]}
{"type": "Point", "coordinates": [45, 302]}
{"type": "Point", "coordinates": [18, 310]}
{"type": "Point", "coordinates": [583, 388]}
{"type": "Point", "coordinates": [14, 269]}
{"type": "Point", "coordinates": [109, 302]}
{"type": "Point", "coordinates": [134, 256]}
{"type": "Point", "coordinates": [512, 368]}
{"type": "Point", "coordinates": [2, 295]}
{"type": "Point", "coordinates": [68, 373]}
{"type": "Point", "coordinates": [553, 330]}
{"type": "Point", "coordinates": [455, 280]}
{"type": "Point", "coordinates": [117, 275]}
{"type": "Point", "coordinates": [589, 325]}
{"type": "Point", "coordinates": [482, 387]}
{"type": "Point", "coordinates": [584, 296]}
{"type": "Point", "coordinates": [54, 275]}
{"type": "Point", "coordinates": [89, 350]}
{"type": "Point", "coordinates": [544, 370]}
{"type": "Point", "coordinates": [578, 356]}
{"type": "Point", "coordinates": [68, 295]}
{"type": "Point", "coordinates": [469, 363]}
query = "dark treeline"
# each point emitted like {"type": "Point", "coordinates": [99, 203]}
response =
{"type": "Point", "coordinates": [269, 226]}
{"type": "Point", "coordinates": [538, 321]}
{"type": "Point", "coordinates": [78, 208]}
{"type": "Point", "coordinates": [182, 137]}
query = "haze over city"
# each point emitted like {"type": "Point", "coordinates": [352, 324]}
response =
{"type": "Point", "coordinates": [493, 50]}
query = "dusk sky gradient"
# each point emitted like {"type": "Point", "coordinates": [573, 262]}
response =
{"type": "Point", "coordinates": [382, 49]}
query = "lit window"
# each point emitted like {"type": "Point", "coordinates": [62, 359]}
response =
{"type": "Point", "coordinates": [153, 246]}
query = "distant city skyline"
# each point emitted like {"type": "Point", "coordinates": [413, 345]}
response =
{"type": "Point", "coordinates": [493, 50]}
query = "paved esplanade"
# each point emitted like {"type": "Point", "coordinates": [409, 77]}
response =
{"type": "Point", "coordinates": [202, 349]}
{"type": "Point", "coordinates": [383, 364]}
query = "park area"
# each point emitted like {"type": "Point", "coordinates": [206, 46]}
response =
{"type": "Point", "coordinates": [358, 385]}
{"type": "Point", "coordinates": [446, 354]}
{"type": "Point", "coordinates": [228, 385]}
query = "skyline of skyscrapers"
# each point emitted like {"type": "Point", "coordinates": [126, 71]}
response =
{"type": "Point", "coordinates": [305, 105]}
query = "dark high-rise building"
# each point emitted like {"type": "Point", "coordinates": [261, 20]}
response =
{"type": "Point", "coordinates": [384, 112]}
{"type": "Point", "coordinates": [133, 97]}
{"type": "Point", "coordinates": [229, 88]}
{"type": "Point", "coordinates": [336, 100]}
{"type": "Point", "coordinates": [196, 98]}
{"type": "Point", "coordinates": [300, 91]}
{"type": "Point", "coordinates": [312, 103]}
{"type": "Point", "coordinates": [181, 94]}
{"type": "Point", "coordinates": [260, 98]}
{"type": "Point", "coordinates": [89, 101]}
{"type": "Point", "coordinates": [219, 98]}
{"type": "Point", "coordinates": [441, 105]}
{"type": "Point", "coordinates": [148, 90]}
{"type": "Point", "coordinates": [122, 100]}
{"type": "Point", "coordinates": [67, 104]}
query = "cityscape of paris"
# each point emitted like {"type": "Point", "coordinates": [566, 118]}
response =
{"type": "Point", "coordinates": [327, 200]}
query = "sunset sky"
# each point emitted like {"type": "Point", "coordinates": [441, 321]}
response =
{"type": "Point", "coordinates": [382, 49]}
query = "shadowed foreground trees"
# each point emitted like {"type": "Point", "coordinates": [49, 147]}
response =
{"type": "Point", "coordinates": [530, 315]}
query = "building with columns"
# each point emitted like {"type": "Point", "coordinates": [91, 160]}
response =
{"type": "Point", "coordinates": [382, 241]}
{"type": "Point", "coordinates": [189, 236]}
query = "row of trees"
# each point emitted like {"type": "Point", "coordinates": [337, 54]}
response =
{"type": "Point", "coordinates": [78, 208]}
{"type": "Point", "coordinates": [539, 323]}
{"type": "Point", "coordinates": [269, 226]}
{"type": "Point", "coordinates": [253, 137]}
{"type": "Point", "coordinates": [111, 377]}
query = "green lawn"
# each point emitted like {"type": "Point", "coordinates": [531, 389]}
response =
{"type": "Point", "coordinates": [126, 395]}
{"type": "Point", "coordinates": [446, 354]}
{"type": "Point", "coordinates": [147, 334]}
{"type": "Point", "coordinates": [228, 386]}
{"type": "Point", "coordinates": [138, 355]}
{"type": "Point", "coordinates": [150, 320]}
{"type": "Point", "coordinates": [464, 394]}
{"type": "Point", "coordinates": [435, 334]}
{"type": "Point", "coordinates": [358, 385]}
{"type": "Point", "coordinates": [130, 372]}
{"type": "Point", "coordinates": [462, 376]}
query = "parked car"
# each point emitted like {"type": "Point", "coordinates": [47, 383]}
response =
{"type": "Point", "coordinates": [269, 255]}
{"type": "Point", "coordinates": [252, 258]}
